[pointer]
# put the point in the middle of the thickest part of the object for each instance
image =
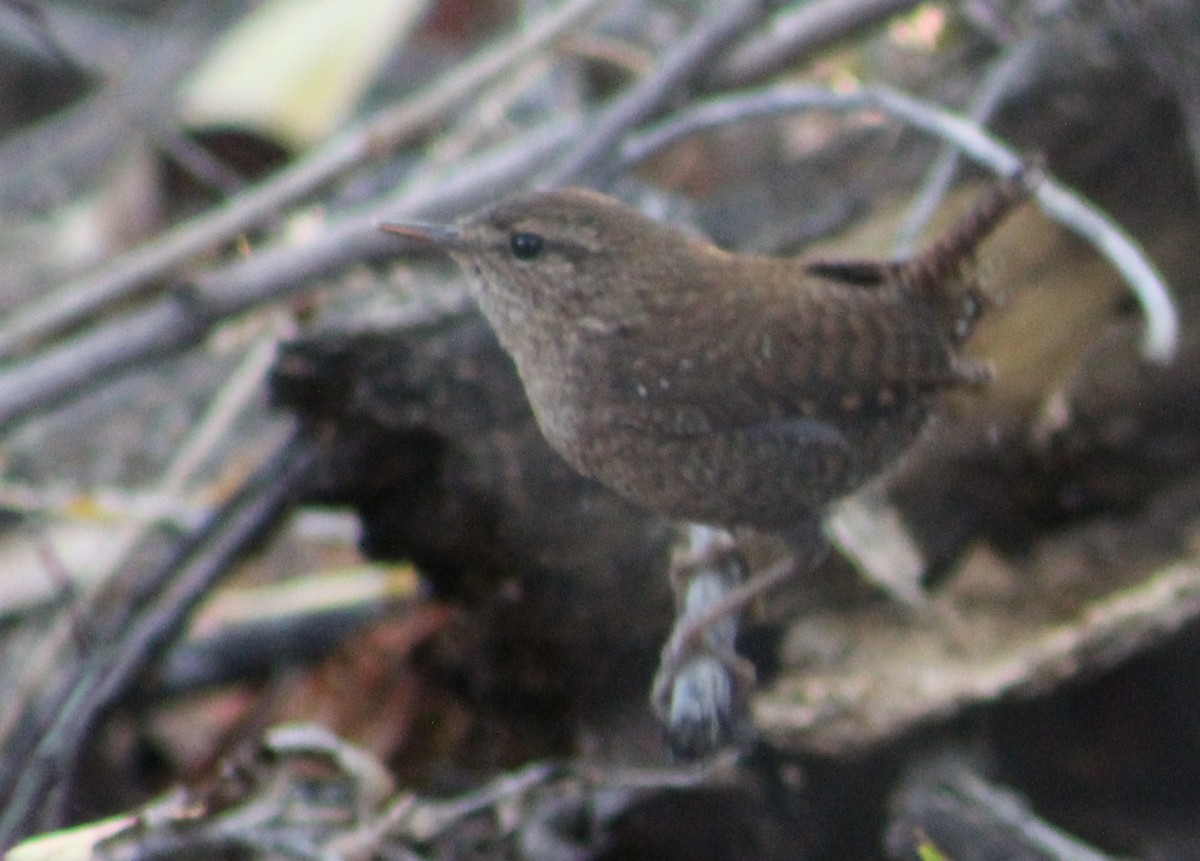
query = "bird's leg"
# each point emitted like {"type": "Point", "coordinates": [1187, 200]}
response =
{"type": "Point", "coordinates": [702, 684]}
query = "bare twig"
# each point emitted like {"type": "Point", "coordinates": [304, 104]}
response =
{"type": "Point", "coordinates": [389, 128]}
{"type": "Point", "coordinates": [797, 32]}
{"type": "Point", "coordinates": [261, 809]}
{"type": "Point", "coordinates": [1013, 812]}
{"type": "Point", "coordinates": [473, 126]}
{"type": "Point", "coordinates": [429, 819]}
{"type": "Point", "coordinates": [239, 390]}
{"type": "Point", "coordinates": [69, 145]}
{"type": "Point", "coordinates": [69, 501]}
{"type": "Point", "coordinates": [253, 630]}
{"type": "Point", "coordinates": [944, 798]}
{"type": "Point", "coordinates": [648, 95]}
{"type": "Point", "coordinates": [203, 166]}
{"type": "Point", "coordinates": [38, 34]}
{"type": "Point", "coordinates": [179, 320]}
{"type": "Point", "coordinates": [996, 86]}
{"type": "Point", "coordinates": [1056, 200]}
{"type": "Point", "coordinates": [1161, 336]}
{"type": "Point", "coordinates": [97, 41]}
{"type": "Point", "coordinates": [188, 577]}
{"type": "Point", "coordinates": [211, 429]}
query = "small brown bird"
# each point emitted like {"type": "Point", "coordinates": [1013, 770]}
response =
{"type": "Point", "coordinates": [715, 387]}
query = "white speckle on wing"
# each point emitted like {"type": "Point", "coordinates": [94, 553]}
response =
{"type": "Point", "coordinates": [642, 391]}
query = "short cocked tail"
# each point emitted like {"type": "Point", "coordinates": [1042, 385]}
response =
{"type": "Point", "coordinates": [935, 269]}
{"type": "Point", "coordinates": [935, 272]}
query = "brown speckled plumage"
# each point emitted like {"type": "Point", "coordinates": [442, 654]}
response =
{"type": "Point", "coordinates": [710, 386]}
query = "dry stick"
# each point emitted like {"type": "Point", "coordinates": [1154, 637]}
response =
{"type": "Point", "coordinates": [212, 427]}
{"type": "Point", "coordinates": [178, 320]}
{"type": "Point", "coordinates": [474, 125]}
{"type": "Point", "coordinates": [113, 669]}
{"type": "Point", "coordinates": [240, 390]}
{"type": "Point", "coordinates": [94, 40]}
{"type": "Point", "coordinates": [234, 396]}
{"type": "Point", "coordinates": [174, 322]}
{"type": "Point", "coordinates": [797, 33]}
{"type": "Point", "coordinates": [709, 36]}
{"type": "Point", "coordinates": [204, 166]}
{"type": "Point", "coordinates": [997, 85]}
{"type": "Point", "coordinates": [1057, 201]}
{"type": "Point", "coordinates": [40, 35]}
{"type": "Point", "coordinates": [216, 839]}
{"type": "Point", "coordinates": [1015, 63]}
{"type": "Point", "coordinates": [1011, 812]}
{"type": "Point", "coordinates": [429, 819]}
{"type": "Point", "coordinates": [75, 300]}
{"type": "Point", "coordinates": [67, 146]}
{"type": "Point", "coordinates": [61, 499]}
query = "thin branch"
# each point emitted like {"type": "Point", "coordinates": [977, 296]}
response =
{"type": "Point", "coordinates": [1013, 66]}
{"type": "Point", "coordinates": [944, 799]}
{"type": "Point", "coordinates": [70, 501]}
{"type": "Point", "coordinates": [211, 428]}
{"type": "Point", "coordinates": [1160, 338]}
{"type": "Point", "coordinates": [1013, 813]}
{"type": "Point", "coordinates": [178, 320]}
{"type": "Point", "coordinates": [188, 577]}
{"type": "Point", "coordinates": [475, 126]}
{"type": "Point", "coordinates": [65, 148]}
{"type": "Point", "coordinates": [81, 297]}
{"type": "Point", "coordinates": [1056, 200]}
{"type": "Point", "coordinates": [996, 86]}
{"type": "Point", "coordinates": [201, 164]}
{"type": "Point", "coordinates": [798, 32]}
{"type": "Point", "coordinates": [296, 622]}
{"type": "Point", "coordinates": [711, 34]}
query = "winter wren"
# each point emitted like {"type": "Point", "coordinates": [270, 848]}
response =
{"type": "Point", "coordinates": [722, 388]}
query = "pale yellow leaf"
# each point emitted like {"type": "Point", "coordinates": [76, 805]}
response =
{"type": "Point", "coordinates": [294, 70]}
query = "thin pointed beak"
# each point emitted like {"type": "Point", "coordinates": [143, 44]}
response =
{"type": "Point", "coordinates": [446, 236]}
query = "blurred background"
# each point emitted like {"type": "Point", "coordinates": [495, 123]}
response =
{"type": "Point", "coordinates": [257, 469]}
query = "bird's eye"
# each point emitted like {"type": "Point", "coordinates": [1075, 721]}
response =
{"type": "Point", "coordinates": [526, 246]}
